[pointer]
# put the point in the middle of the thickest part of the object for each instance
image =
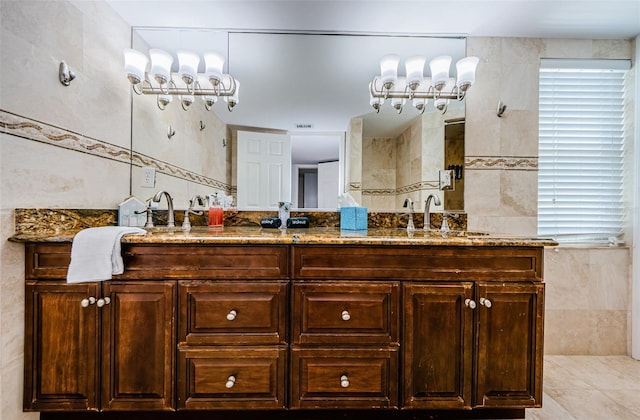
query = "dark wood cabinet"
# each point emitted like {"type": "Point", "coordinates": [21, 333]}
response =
{"type": "Point", "coordinates": [510, 322]}
{"type": "Point", "coordinates": [96, 346]}
{"type": "Point", "coordinates": [138, 345]}
{"type": "Point", "coordinates": [232, 350]}
{"type": "Point", "coordinates": [473, 345]}
{"type": "Point", "coordinates": [438, 345]}
{"type": "Point", "coordinates": [61, 352]}
{"type": "Point", "coordinates": [192, 327]}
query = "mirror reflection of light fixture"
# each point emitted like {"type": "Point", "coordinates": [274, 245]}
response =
{"type": "Point", "coordinates": [154, 77]}
{"type": "Point", "coordinates": [417, 88]}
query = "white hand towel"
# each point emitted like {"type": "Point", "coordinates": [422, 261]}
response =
{"type": "Point", "coordinates": [95, 253]}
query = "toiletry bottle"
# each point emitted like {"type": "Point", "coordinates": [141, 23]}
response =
{"type": "Point", "coordinates": [216, 214]}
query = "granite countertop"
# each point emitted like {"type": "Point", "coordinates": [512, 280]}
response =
{"type": "Point", "coordinates": [314, 236]}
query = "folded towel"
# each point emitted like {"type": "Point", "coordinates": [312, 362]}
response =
{"type": "Point", "coordinates": [95, 253]}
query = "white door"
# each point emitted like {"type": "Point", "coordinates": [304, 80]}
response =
{"type": "Point", "coordinates": [328, 185]}
{"type": "Point", "coordinates": [264, 170]}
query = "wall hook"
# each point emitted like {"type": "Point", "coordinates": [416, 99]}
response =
{"type": "Point", "coordinates": [501, 108]}
{"type": "Point", "coordinates": [202, 125]}
{"type": "Point", "coordinates": [65, 74]}
{"type": "Point", "coordinates": [171, 132]}
{"type": "Point", "coordinates": [224, 142]}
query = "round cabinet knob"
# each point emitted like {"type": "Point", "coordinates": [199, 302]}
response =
{"type": "Point", "coordinates": [103, 301]}
{"type": "Point", "coordinates": [232, 315]}
{"type": "Point", "coordinates": [344, 381]}
{"type": "Point", "coordinates": [87, 301]}
{"type": "Point", "coordinates": [231, 381]}
{"type": "Point", "coordinates": [486, 302]}
{"type": "Point", "coordinates": [470, 303]}
{"type": "Point", "coordinates": [345, 315]}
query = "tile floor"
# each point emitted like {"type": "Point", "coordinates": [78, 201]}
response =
{"type": "Point", "coordinates": [589, 388]}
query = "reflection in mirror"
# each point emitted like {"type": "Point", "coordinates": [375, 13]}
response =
{"type": "Point", "coordinates": [314, 88]}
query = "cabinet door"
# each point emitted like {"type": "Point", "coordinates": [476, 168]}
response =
{"type": "Point", "coordinates": [138, 345]}
{"type": "Point", "coordinates": [509, 353]}
{"type": "Point", "coordinates": [61, 347]}
{"type": "Point", "coordinates": [438, 345]}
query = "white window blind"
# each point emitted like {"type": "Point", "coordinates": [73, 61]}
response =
{"type": "Point", "coordinates": [581, 134]}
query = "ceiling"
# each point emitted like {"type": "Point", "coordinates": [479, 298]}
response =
{"type": "Point", "coordinates": [281, 109]}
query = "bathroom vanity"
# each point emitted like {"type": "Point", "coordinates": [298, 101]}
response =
{"type": "Point", "coordinates": [287, 322]}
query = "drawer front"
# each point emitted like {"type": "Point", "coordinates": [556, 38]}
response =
{"type": "Point", "coordinates": [233, 313]}
{"type": "Point", "coordinates": [346, 378]}
{"type": "Point", "coordinates": [233, 378]}
{"type": "Point", "coordinates": [352, 313]}
{"type": "Point", "coordinates": [203, 261]}
{"type": "Point", "coordinates": [47, 261]}
{"type": "Point", "coordinates": [420, 263]}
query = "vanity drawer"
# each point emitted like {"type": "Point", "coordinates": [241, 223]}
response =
{"type": "Point", "coordinates": [48, 261]}
{"type": "Point", "coordinates": [346, 378]}
{"type": "Point", "coordinates": [232, 313]}
{"type": "Point", "coordinates": [205, 261]}
{"type": "Point", "coordinates": [231, 377]}
{"type": "Point", "coordinates": [345, 313]}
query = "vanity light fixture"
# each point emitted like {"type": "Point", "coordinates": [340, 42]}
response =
{"type": "Point", "coordinates": [417, 88]}
{"type": "Point", "coordinates": [154, 77]}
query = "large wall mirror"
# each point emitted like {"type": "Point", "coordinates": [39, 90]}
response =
{"type": "Point", "coordinates": [313, 88]}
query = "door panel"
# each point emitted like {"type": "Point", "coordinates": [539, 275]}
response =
{"type": "Point", "coordinates": [61, 347]}
{"type": "Point", "coordinates": [138, 341]}
{"type": "Point", "coordinates": [438, 345]}
{"type": "Point", "coordinates": [510, 334]}
{"type": "Point", "coordinates": [263, 169]}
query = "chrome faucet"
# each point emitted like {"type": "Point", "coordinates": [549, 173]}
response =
{"type": "Point", "coordinates": [156, 199]}
{"type": "Point", "coordinates": [196, 199]}
{"type": "Point", "coordinates": [427, 210]}
{"type": "Point", "coordinates": [408, 203]}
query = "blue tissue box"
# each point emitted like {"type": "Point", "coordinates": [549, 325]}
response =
{"type": "Point", "coordinates": [353, 218]}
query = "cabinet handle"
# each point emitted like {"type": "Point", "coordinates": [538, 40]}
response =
{"type": "Point", "coordinates": [345, 315]}
{"type": "Point", "coordinates": [486, 302]}
{"type": "Point", "coordinates": [103, 301]}
{"type": "Point", "coordinates": [231, 381]}
{"type": "Point", "coordinates": [470, 303]}
{"type": "Point", "coordinates": [232, 315]}
{"type": "Point", "coordinates": [344, 381]}
{"type": "Point", "coordinates": [87, 301]}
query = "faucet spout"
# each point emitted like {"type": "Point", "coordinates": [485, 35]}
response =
{"type": "Point", "coordinates": [170, 218]}
{"type": "Point", "coordinates": [427, 210]}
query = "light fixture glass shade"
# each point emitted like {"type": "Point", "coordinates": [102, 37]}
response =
{"type": "Point", "coordinates": [163, 100]}
{"type": "Point", "coordinates": [389, 70]}
{"type": "Point", "coordinates": [135, 64]}
{"type": "Point", "coordinates": [419, 104]}
{"type": "Point", "coordinates": [214, 64]}
{"type": "Point", "coordinates": [415, 69]}
{"type": "Point", "coordinates": [188, 65]}
{"type": "Point", "coordinates": [398, 103]}
{"type": "Point", "coordinates": [186, 101]}
{"type": "Point", "coordinates": [441, 104]}
{"type": "Point", "coordinates": [466, 72]}
{"type": "Point", "coordinates": [440, 71]}
{"type": "Point", "coordinates": [161, 62]}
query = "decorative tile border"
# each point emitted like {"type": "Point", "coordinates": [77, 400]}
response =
{"type": "Point", "coordinates": [418, 186]}
{"type": "Point", "coordinates": [501, 162]}
{"type": "Point", "coordinates": [30, 129]}
{"type": "Point", "coordinates": [26, 128]}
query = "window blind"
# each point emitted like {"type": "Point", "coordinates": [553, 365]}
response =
{"type": "Point", "coordinates": [581, 139]}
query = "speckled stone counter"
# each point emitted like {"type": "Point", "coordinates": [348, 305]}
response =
{"type": "Point", "coordinates": [317, 236]}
